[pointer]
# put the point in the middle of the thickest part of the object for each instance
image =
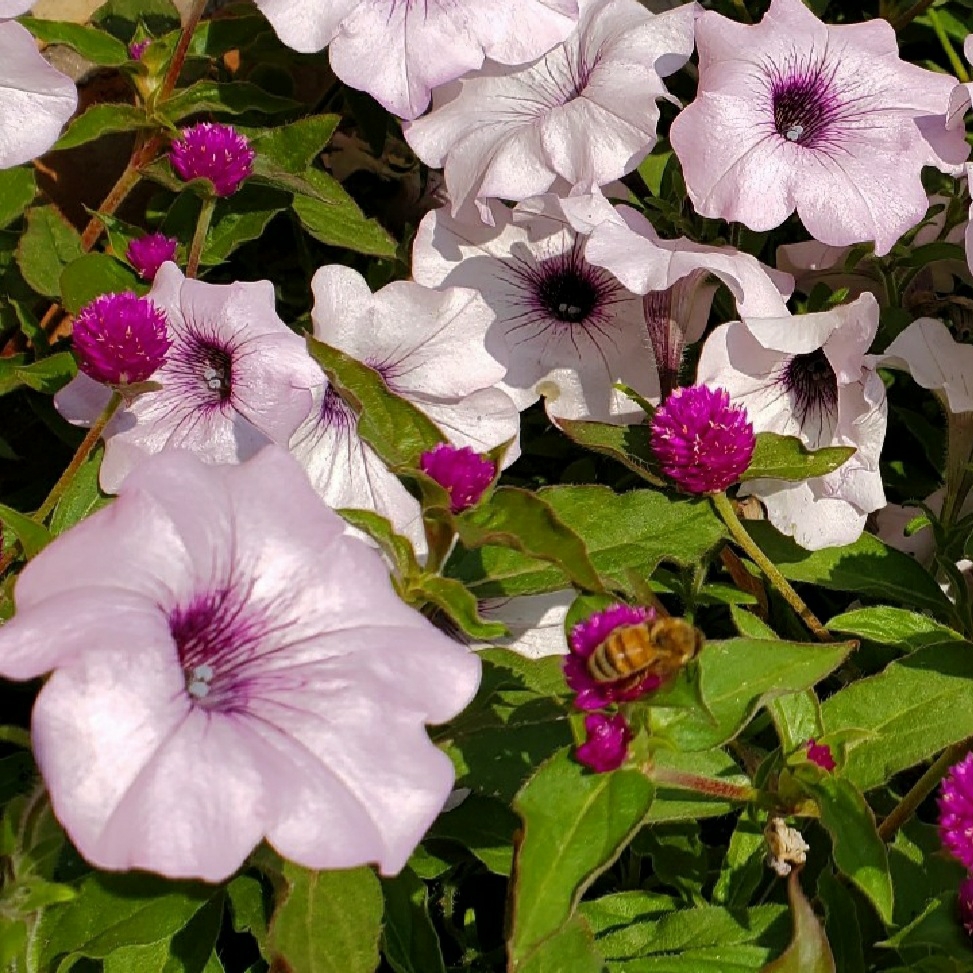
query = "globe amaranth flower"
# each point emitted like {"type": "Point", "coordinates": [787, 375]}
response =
{"type": "Point", "coordinates": [137, 48]}
{"type": "Point", "coordinates": [702, 442]}
{"type": "Point", "coordinates": [674, 277]}
{"type": "Point", "coordinates": [828, 120]}
{"type": "Point", "coordinates": [585, 637]}
{"type": "Point", "coordinates": [235, 379]}
{"type": "Point", "coordinates": [956, 811]}
{"type": "Point", "coordinates": [564, 328]}
{"type": "Point", "coordinates": [580, 117]}
{"type": "Point", "coordinates": [809, 376]}
{"type": "Point", "coordinates": [428, 346]}
{"type": "Point", "coordinates": [36, 100]}
{"type": "Point", "coordinates": [120, 339]}
{"type": "Point", "coordinates": [606, 744]}
{"type": "Point", "coordinates": [464, 473]}
{"type": "Point", "coordinates": [399, 51]}
{"type": "Point", "coordinates": [215, 152]}
{"type": "Point", "coordinates": [820, 754]}
{"type": "Point", "coordinates": [148, 253]}
{"type": "Point", "coordinates": [228, 665]}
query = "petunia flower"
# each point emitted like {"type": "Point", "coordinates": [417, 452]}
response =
{"type": "Point", "coordinates": [429, 348]}
{"type": "Point", "coordinates": [828, 120]}
{"type": "Point", "coordinates": [580, 117]}
{"type": "Point", "coordinates": [675, 277]}
{"type": "Point", "coordinates": [535, 623]}
{"type": "Point", "coordinates": [810, 377]}
{"type": "Point", "coordinates": [564, 328]}
{"type": "Point", "coordinates": [36, 100]}
{"type": "Point", "coordinates": [235, 379]}
{"type": "Point", "coordinates": [228, 665]}
{"type": "Point", "coordinates": [399, 52]}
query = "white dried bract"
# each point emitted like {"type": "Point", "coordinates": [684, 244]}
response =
{"type": "Point", "coordinates": [786, 846]}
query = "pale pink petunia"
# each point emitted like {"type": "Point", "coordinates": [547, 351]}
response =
{"type": "Point", "coordinates": [14, 8]}
{"type": "Point", "coordinates": [235, 379]}
{"type": "Point", "coordinates": [399, 50]}
{"type": "Point", "coordinates": [564, 328]}
{"type": "Point", "coordinates": [675, 277]}
{"type": "Point", "coordinates": [810, 377]}
{"type": "Point", "coordinates": [793, 114]}
{"type": "Point", "coordinates": [228, 665]}
{"type": "Point", "coordinates": [962, 95]}
{"type": "Point", "coordinates": [535, 623]}
{"type": "Point", "coordinates": [36, 100]}
{"type": "Point", "coordinates": [578, 118]}
{"type": "Point", "coordinates": [429, 348]}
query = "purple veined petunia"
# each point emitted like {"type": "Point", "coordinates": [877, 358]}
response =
{"type": "Point", "coordinates": [675, 277]}
{"type": "Point", "coordinates": [810, 377]}
{"type": "Point", "coordinates": [429, 348]}
{"type": "Point", "coordinates": [235, 379]}
{"type": "Point", "coordinates": [564, 328]}
{"type": "Point", "coordinates": [535, 623]}
{"type": "Point", "coordinates": [580, 117]}
{"type": "Point", "coordinates": [36, 100]}
{"type": "Point", "coordinates": [399, 50]}
{"type": "Point", "coordinates": [228, 665]}
{"type": "Point", "coordinates": [793, 114]}
{"type": "Point", "coordinates": [962, 95]}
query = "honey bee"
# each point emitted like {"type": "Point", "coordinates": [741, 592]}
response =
{"type": "Point", "coordinates": [662, 647]}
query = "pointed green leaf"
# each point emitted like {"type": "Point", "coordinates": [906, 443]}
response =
{"type": "Point", "coordinates": [409, 940]}
{"type": "Point", "coordinates": [809, 951]}
{"type": "Point", "coordinates": [787, 458]}
{"type": "Point", "coordinates": [627, 444]}
{"type": "Point", "coordinates": [17, 189]}
{"type": "Point", "coordinates": [398, 549]}
{"type": "Point", "coordinates": [327, 922]}
{"type": "Point", "coordinates": [92, 275]}
{"type": "Point", "coordinates": [99, 120]}
{"type": "Point", "coordinates": [295, 147]}
{"type": "Point", "coordinates": [49, 244]}
{"type": "Point", "coordinates": [570, 950]}
{"type": "Point", "coordinates": [576, 823]}
{"type": "Point", "coordinates": [452, 598]}
{"type": "Point", "coordinates": [33, 537]}
{"type": "Point", "coordinates": [905, 630]}
{"type": "Point", "coordinates": [483, 825]}
{"type": "Point", "coordinates": [92, 44]}
{"type": "Point", "coordinates": [232, 98]}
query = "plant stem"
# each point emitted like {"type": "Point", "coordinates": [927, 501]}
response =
{"type": "Point", "coordinates": [921, 790]}
{"type": "Point", "coordinates": [740, 7]}
{"type": "Point", "coordinates": [199, 237]}
{"type": "Point", "coordinates": [959, 450]}
{"type": "Point", "coordinates": [955, 61]}
{"type": "Point", "coordinates": [903, 20]}
{"type": "Point", "coordinates": [725, 509]}
{"type": "Point", "coordinates": [182, 47]}
{"type": "Point", "coordinates": [712, 786]}
{"type": "Point", "coordinates": [79, 457]}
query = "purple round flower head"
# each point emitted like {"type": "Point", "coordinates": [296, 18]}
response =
{"type": "Point", "coordinates": [585, 637]}
{"type": "Point", "coordinates": [137, 48]}
{"type": "Point", "coordinates": [148, 253]}
{"type": "Point", "coordinates": [464, 473]}
{"type": "Point", "coordinates": [964, 905]}
{"type": "Point", "coordinates": [956, 811]}
{"type": "Point", "coordinates": [607, 742]}
{"type": "Point", "coordinates": [701, 441]}
{"type": "Point", "coordinates": [820, 754]}
{"type": "Point", "coordinates": [120, 338]}
{"type": "Point", "coordinates": [215, 152]}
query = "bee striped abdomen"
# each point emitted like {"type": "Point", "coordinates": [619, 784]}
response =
{"type": "Point", "coordinates": [624, 652]}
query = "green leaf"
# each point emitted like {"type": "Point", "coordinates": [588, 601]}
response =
{"type": "Point", "coordinates": [82, 497]}
{"type": "Point", "coordinates": [576, 824]}
{"type": "Point", "coordinates": [47, 375]}
{"type": "Point", "coordinates": [92, 44]}
{"type": "Point", "coordinates": [745, 864]}
{"type": "Point", "coordinates": [787, 458]}
{"type": "Point", "coordinates": [239, 218]}
{"type": "Point", "coordinates": [397, 549]}
{"type": "Point", "coordinates": [17, 189]}
{"type": "Point", "coordinates": [897, 627]}
{"type": "Point", "coordinates": [522, 520]}
{"type": "Point", "coordinates": [797, 718]}
{"type": "Point", "coordinates": [112, 910]}
{"type": "Point", "coordinates": [570, 950]}
{"type": "Point", "coordinates": [451, 597]}
{"type": "Point", "coordinates": [233, 98]}
{"type": "Point", "coordinates": [393, 427]}
{"type": "Point", "coordinates": [905, 714]}
{"type": "Point", "coordinates": [652, 169]}
{"type": "Point", "coordinates": [333, 217]}
{"type": "Point", "coordinates": [809, 951]}
{"type": "Point", "coordinates": [33, 537]}
{"type": "Point", "coordinates": [248, 906]}
{"type": "Point", "coordinates": [92, 275]}
{"type": "Point", "coordinates": [627, 444]}
{"type": "Point", "coordinates": [633, 531]}
{"type": "Point", "coordinates": [841, 923]}
{"type": "Point", "coordinates": [737, 677]}
{"type": "Point", "coordinates": [867, 567]}
{"type": "Point", "coordinates": [858, 850]}
{"type": "Point", "coordinates": [293, 148]}
{"type": "Point", "coordinates": [99, 120]}
{"type": "Point", "coordinates": [328, 922]}
{"type": "Point", "coordinates": [47, 246]}
{"type": "Point", "coordinates": [121, 17]}
{"type": "Point", "coordinates": [409, 940]}
{"type": "Point", "coordinates": [483, 825]}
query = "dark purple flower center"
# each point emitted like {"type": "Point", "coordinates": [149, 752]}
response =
{"type": "Point", "coordinates": [812, 385]}
{"type": "Point", "coordinates": [567, 295]}
{"type": "Point", "coordinates": [335, 411]}
{"type": "Point", "coordinates": [216, 369]}
{"type": "Point", "coordinates": [806, 101]}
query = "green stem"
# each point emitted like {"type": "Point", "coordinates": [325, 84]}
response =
{"type": "Point", "coordinates": [87, 444]}
{"type": "Point", "coordinates": [903, 20]}
{"type": "Point", "coordinates": [956, 62]}
{"type": "Point", "coordinates": [959, 449]}
{"type": "Point", "coordinates": [741, 8]}
{"type": "Point", "coordinates": [725, 509]}
{"type": "Point", "coordinates": [711, 786]}
{"type": "Point", "coordinates": [921, 790]}
{"type": "Point", "coordinates": [199, 237]}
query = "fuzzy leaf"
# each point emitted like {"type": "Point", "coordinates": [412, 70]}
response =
{"type": "Point", "coordinates": [627, 444]}
{"type": "Point", "coordinates": [485, 826]}
{"type": "Point", "coordinates": [92, 44]}
{"type": "Point", "coordinates": [33, 537]}
{"type": "Point", "coordinates": [787, 458]}
{"type": "Point", "coordinates": [294, 147]}
{"type": "Point", "coordinates": [451, 597]}
{"type": "Point", "coordinates": [101, 120]}
{"type": "Point", "coordinates": [17, 189]}
{"type": "Point", "coordinates": [409, 940]}
{"type": "Point", "coordinates": [570, 950]}
{"type": "Point", "coordinates": [47, 375]}
{"type": "Point", "coordinates": [809, 951]}
{"type": "Point", "coordinates": [47, 246]}
{"type": "Point", "coordinates": [233, 98]}
{"type": "Point", "coordinates": [92, 275]}
{"type": "Point", "coordinates": [897, 627]}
